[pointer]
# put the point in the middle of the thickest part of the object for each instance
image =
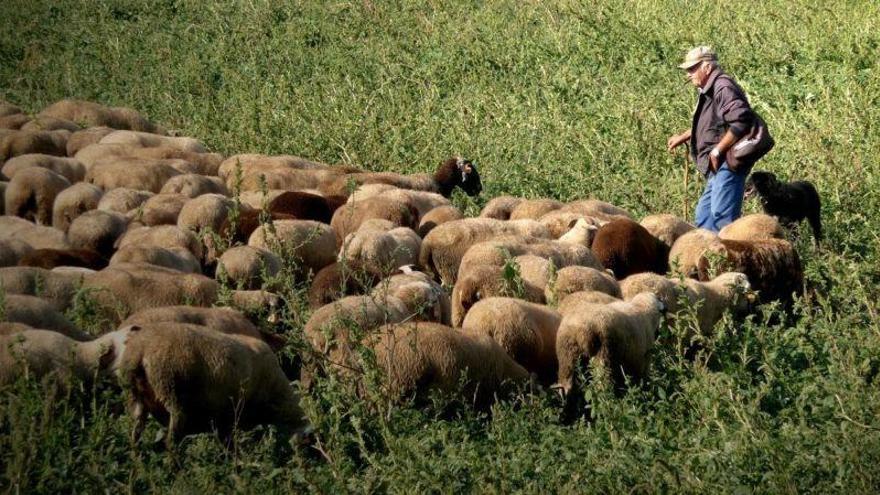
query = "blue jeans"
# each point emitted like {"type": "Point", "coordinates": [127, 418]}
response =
{"type": "Point", "coordinates": [721, 202]}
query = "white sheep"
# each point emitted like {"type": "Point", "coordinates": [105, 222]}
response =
{"type": "Point", "coordinates": [379, 246]}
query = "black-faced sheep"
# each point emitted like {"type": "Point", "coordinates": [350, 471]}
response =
{"type": "Point", "coordinates": [526, 331]}
{"type": "Point", "coordinates": [51, 258]}
{"type": "Point", "coordinates": [625, 247]}
{"type": "Point", "coordinates": [453, 172]}
{"type": "Point", "coordinates": [790, 202]}
{"type": "Point", "coordinates": [69, 168]}
{"type": "Point", "coordinates": [194, 379]}
{"type": "Point", "coordinates": [666, 227]}
{"type": "Point", "coordinates": [31, 194]}
{"type": "Point", "coordinates": [751, 228]}
{"type": "Point", "coordinates": [73, 202]}
{"type": "Point", "coordinates": [95, 114]}
{"type": "Point", "coordinates": [25, 142]}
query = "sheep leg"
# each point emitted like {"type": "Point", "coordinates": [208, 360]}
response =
{"type": "Point", "coordinates": [139, 413]}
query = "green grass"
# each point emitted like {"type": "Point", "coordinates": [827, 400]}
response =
{"type": "Point", "coordinates": [557, 99]}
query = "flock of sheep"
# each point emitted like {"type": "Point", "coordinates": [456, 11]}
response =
{"type": "Point", "coordinates": [100, 201]}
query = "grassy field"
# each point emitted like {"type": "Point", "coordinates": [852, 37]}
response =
{"type": "Point", "coordinates": [551, 99]}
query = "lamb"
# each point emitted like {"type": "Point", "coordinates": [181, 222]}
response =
{"type": "Point", "coordinates": [194, 185]}
{"type": "Point", "coordinates": [45, 123]}
{"type": "Point", "coordinates": [194, 379]}
{"type": "Point", "coordinates": [560, 222]}
{"type": "Point", "coordinates": [790, 202]}
{"type": "Point", "coordinates": [582, 233]}
{"type": "Point", "coordinates": [178, 259]}
{"type": "Point", "coordinates": [165, 236]}
{"type": "Point", "coordinates": [752, 227]}
{"type": "Point", "coordinates": [338, 280]}
{"type": "Point", "coordinates": [58, 289]}
{"type": "Point", "coordinates": [94, 114]}
{"type": "Point", "coordinates": [25, 142]}
{"type": "Point", "coordinates": [444, 247]}
{"type": "Point", "coordinates": [40, 353]}
{"type": "Point", "coordinates": [348, 218]}
{"type": "Point", "coordinates": [133, 173]}
{"type": "Point", "coordinates": [31, 194]}
{"type": "Point", "coordinates": [246, 266]}
{"type": "Point", "coordinates": [417, 358]}
{"type": "Point", "coordinates": [69, 168]}
{"type": "Point", "coordinates": [597, 209]}
{"type": "Point", "coordinates": [311, 244]}
{"type": "Point", "coordinates": [619, 335]}
{"type": "Point", "coordinates": [500, 208]}
{"type": "Point", "coordinates": [86, 137]}
{"type": "Point", "coordinates": [625, 247]}
{"type": "Point", "coordinates": [665, 227]}
{"type": "Point", "coordinates": [13, 250]}
{"type": "Point", "coordinates": [526, 331]}
{"type": "Point", "coordinates": [73, 202]}
{"type": "Point", "coordinates": [51, 258]}
{"type": "Point", "coordinates": [149, 140]}
{"type": "Point", "coordinates": [571, 279]}
{"type": "Point", "coordinates": [380, 247]}
{"type": "Point", "coordinates": [438, 216]}
{"type": "Point", "coordinates": [38, 313]}
{"type": "Point", "coordinates": [161, 209]}
{"type": "Point", "coordinates": [123, 199]}
{"type": "Point", "coordinates": [533, 209]}
{"type": "Point", "coordinates": [453, 172]}
{"type": "Point", "coordinates": [36, 236]}
{"type": "Point", "coordinates": [96, 230]}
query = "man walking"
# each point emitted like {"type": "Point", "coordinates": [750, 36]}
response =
{"type": "Point", "coordinates": [722, 117]}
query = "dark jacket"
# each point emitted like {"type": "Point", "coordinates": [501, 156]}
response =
{"type": "Point", "coordinates": [722, 105]}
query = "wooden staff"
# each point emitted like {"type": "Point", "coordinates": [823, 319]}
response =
{"type": "Point", "coordinates": [687, 168]}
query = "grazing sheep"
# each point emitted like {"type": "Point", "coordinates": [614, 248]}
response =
{"type": "Point", "coordinates": [224, 320]}
{"type": "Point", "coordinates": [51, 258]}
{"type": "Point", "coordinates": [185, 162]}
{"type": "Point", "coordinates": [132, 173]}
{"type": "Point", "coordinates": [96, 230]}
{"type": "Point", "coordinates": [164, 236]}
{"type": "Point", "coordinates": [772, 266]}
{"type": "Point", "coordinates": [179, 259]}
{"type": "Point", "coordinates": [149, 140]}
{"type": "Point", "coordinates": [194, 185]}
{"type": "Point", "coordinates": [161, 209]}
{"type": "Point", "coordinates": [526, 331]}
{"type": "Point", "coordinates": [25, 142]}
{"type": "Point", "coordinates": [31, 194]}
{"type": "Point", "coordinates": [286, 178]}
{"type": "Point", "coordinates": [208, 211]}
{"type": "Point", "coordinates": [453, 172]}
{"type": "Point", "coordinates": [194, 379]}
{"type": "Point", "coordinates": [69, 168]}
{"type": "Point", "coordinates": [666, 227]}
{"type": "Point", "coordinates": [581, 233]}
{"type": "Point", "coordinates": [73, 202]}
{"type": "Point", "coordinates": [379, 246]}
{"type": "Point", "coordinates": [348, 218]}
{"type": "Point", "coordinates": [86, 137]}
{"type": "Point", "coordinates": [57, 288]}
{"type": "Point", "coordinates": [560, 222]}
{"type": "Point", "coordinates": [338, 280]}
{"type": "Point", "coordinates": [422, 201]}
{"type": "Point", "coordinates": [95, 114]}
{"type": "Point", "coordinates": [7, 108]}
{"type": "Point", "coordinates": [444, 247]}
{"type": "Point", "coordinates": [247, 221]}
{"type": "Point", "coordinates": [572, 279]}
{"type": "Point", "coordinates": [122, 199]}
{"type": "Point", "coordinates": [36, 312]}
{"type": "Point", "coordinates": [40, 353]}
{"type": "Point", "coordinates": [597, 209]}
{"type": "Point", "coordinates": [13, 327]}
{"type": "Point", "coordinates": [306, 206]}
{"type": "Point", "coordinates": [424, 298]}
{"type": "Point", "coordinates": [417, 358]}
{"type": "Point", "coordinates": [257, 200]}
{"type": "Point", "coordinates": [496, 253]}
{"type": "Point", "coordinates": [790, 202]}
{"type": "Point", "coordinates": [13, 250]}
{"type": "Point", "coordinates": [533, 209]}
{"type": "Point", "coordinates": [500, 208]}
{"type": "Point", "coordinates": [573, 301]}
{"type": "Point", "coordinates": [14, 122]}
{"type": "Point", "coordinates": [619, 335]}
{"type": "Point", "coordinates": [686, 254]}
{"type": "Point", "coordinates": [625, 247]}
{"type": "Point", "coordinates": [36, 236]}
{"type": "Point", "coordinates": [246, 265]}
{"type": "Point", "coordinates": [438, 216]}
{"type": "Point", "coordinates": [45, 123]}
{"type": "Point", "coordinates": [311, 244]}
{"type": "Point", "coordinates": [253, 162]}
{"type": "Point", "coordinates": [751, 228]}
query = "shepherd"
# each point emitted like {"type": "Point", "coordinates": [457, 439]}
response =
{"type": "Point", "coordinates": [726, 138]}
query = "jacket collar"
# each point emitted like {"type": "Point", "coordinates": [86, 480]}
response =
{"type": "Point", "coordinates": [711, 82]}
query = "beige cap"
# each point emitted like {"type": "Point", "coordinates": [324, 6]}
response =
{"type": "Point", "coordinates": [697, 55]}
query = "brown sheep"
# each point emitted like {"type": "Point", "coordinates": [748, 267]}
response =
{"type": "Point", "coordinates": [26, 142]}
{"type": "Point", "coordinates": [438, 216]}
{"type": "Point", "coordinates": [666, 227]}
{"type": "Point", "coordinates": [625, 247]}
{"type": "Point", "coordinates": [312, 245]}
{"type": "Point", "coordinates": [122, 199]}
{"type": "Point", "coordinates": [86, 137]}
{"type": "Point", "coordinates": [36, 312]}
{"type": "Point", "coordinates": [69, 168]}
{"type": "Point", "coordinates": [133, 173]}
{"type": "Point", "coordinates": [348, 218]}
{"type": "Point", "coordinates": [753, 227]}
{"type": "Point", "coordinates": [96, 230]}
{"type": "Point", "coordinates": [417, 358]}
{"type": "Point", "coordinates": [14, 122]}
{"type": "Point", "coordinates": [452, 172]}
{"type": "Point", "coordinates": [772, 266]}
{"type": "Point", "coordinates": [7, 108]}
{"type": "Point", "coordinates": [306, 206]}
{"type": "Point", "coordinates": [194, 185]}
{"type": "Point", "coordinates": [193, 379]}
{"type": "Point", "coordinates": [500, 208]}
{"type": "Point", "coordinates": [95, 114]}
{"type": "Point", "coordinates": [31, 194]}
{"type": "Point", "coordinates": [12, 251]}
{"type": "Point", "coordinates": [526, 331]}
{"type": "Point", "coordinates": [381, 247]}
{"type": "Point", "coordinates": [51, 258]}
{"type": "Point", "coordinates": [444, 247]}
{"type": "Point", "coordinates": [57, 288]}
{"type": "Point", "coordinates": [73, 202]}
{"type": "Point", "coordinates": [338, 280]}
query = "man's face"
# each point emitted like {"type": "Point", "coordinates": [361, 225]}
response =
{"type": "Point", "coordinates": [698, 74]}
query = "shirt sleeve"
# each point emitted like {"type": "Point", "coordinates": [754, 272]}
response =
{"type": "Point", "coordinates": [735, 110]}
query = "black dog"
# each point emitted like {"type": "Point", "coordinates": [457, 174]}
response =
{"type": "Point", "coordinates": [789, 202]}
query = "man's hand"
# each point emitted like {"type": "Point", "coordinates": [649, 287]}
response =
{"type": "Point", "coordinates": [677, 140]}
{"type": "Point", "coordinates": [714, 160]}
